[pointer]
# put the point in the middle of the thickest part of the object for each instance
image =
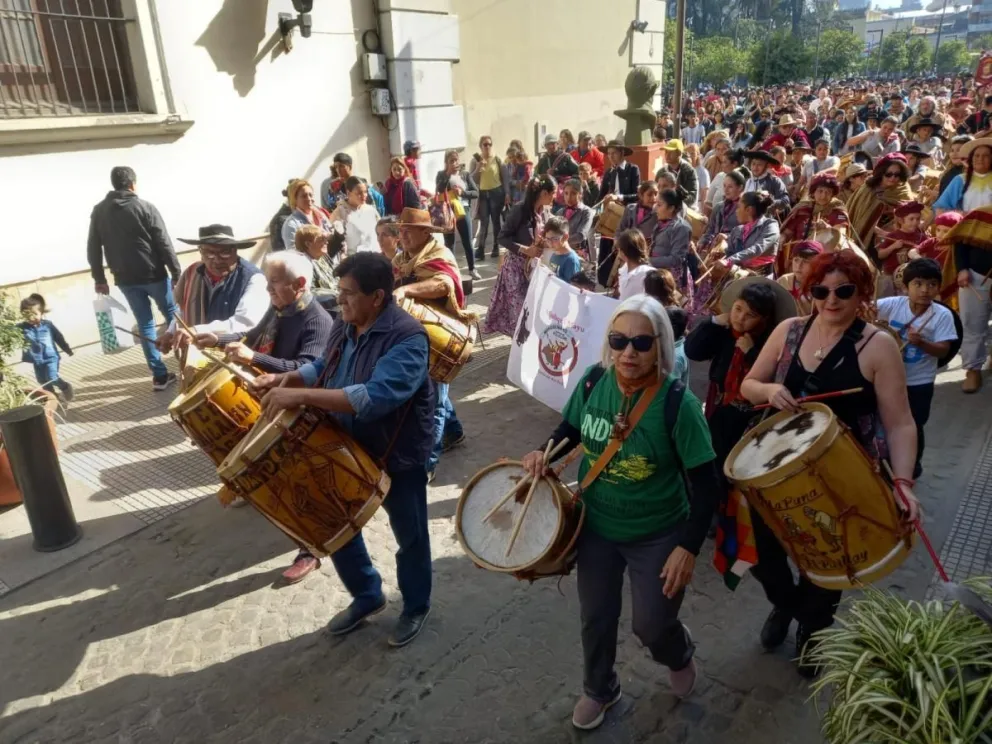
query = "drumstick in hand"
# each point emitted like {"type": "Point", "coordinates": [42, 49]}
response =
{"type": "Point", "coordinates": [530, 495]}
{"type": "Point", "coordinates": [814, 398]}
{"type": "Point", "coordinates": [522, 482]}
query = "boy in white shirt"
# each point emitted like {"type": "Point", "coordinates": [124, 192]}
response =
{"type": "Point", "coordinates": [928, 331]}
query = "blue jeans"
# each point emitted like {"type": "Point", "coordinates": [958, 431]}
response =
{"type": "Point", "coordinates": [139, 297]}
{"type": "Point", "coordinates": [406, 506]}
{"type": "Point", "coordinates": [47, 375]}
{"type": "Point", "coordinates": [446, 423]}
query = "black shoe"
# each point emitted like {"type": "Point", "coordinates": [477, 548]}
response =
{"type": "Point", "coordinates": [351, 617]}
{"type": "Point", "coordinates": [495, 253]}
{"type": "Point", "coordinates": [160, 384]}
{"type": "Point", "coordinates": [407, 628]}
{"type": "Point", "coordinates": [480, 255]}
{"type": "Point", "coordinates": [805, 645]}
{"type": "Point", "coordinates": [775, 629]}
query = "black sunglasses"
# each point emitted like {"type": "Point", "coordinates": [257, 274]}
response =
{"type": "Point", "coordinates": [619, 342]}
{"type": "Point", "coordinates": [892, 174]}
{"type": "Point", "coordinates": [843, 292]}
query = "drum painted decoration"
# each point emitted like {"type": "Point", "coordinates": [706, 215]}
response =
{"type": "Point", "coordinates": [451, 340]}
{"type": "Point", "coordinates": [217, 412]}
{"type": "Point", "coordinates": [308, 477]}
{"type": "Point", "coordinates": [545, 545]}
{"type": "Point", "coordinates": [822, 496]}
{"type": "Point", "coordinates": [609, 220]}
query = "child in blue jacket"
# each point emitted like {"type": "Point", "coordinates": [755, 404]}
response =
{"type": "Point", "coordinates": [42, 338]}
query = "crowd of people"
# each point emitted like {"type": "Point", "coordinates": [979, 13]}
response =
{"type": "Point", "coordinates": [790, 239]}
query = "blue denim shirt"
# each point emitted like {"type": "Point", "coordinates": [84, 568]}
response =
{"type": "Point", "coordinates": [40, 342]}
{"type": "Point", "coordinates": [397, 376]}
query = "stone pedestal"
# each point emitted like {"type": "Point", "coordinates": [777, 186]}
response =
{"type": "Point", "coordinates": [648, 158]}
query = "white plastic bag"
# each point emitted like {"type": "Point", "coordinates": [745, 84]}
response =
{"type": "Point", "coordinates": [111, 312]}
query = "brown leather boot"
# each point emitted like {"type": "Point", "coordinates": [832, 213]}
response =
{"type": "Point", "coordinates": [972, 381]}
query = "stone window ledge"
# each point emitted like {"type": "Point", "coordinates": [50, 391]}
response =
{"type": "Point", "coordinates": [89, 128]}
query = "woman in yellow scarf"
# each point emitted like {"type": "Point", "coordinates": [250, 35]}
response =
{"type": "Point", "coordinates": [873, 204]}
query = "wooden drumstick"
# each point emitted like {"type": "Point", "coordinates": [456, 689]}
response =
{"type": "Point", "coordinates": [708, 272]}
{"type": "Point", "coordinates": [522, 482]}
{"type": "Point", "coordinates": [526, 506]}
{"type": "Point", "coordinates": [814, 398]}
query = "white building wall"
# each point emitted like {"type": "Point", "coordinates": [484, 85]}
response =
{"type": "Point", "coordinates": [261, 116]}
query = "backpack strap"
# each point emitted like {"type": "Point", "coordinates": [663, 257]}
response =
{"type": "Point", "coordinates": [673, 403]}
{"type": "Point", "coordinates": [593, 378]}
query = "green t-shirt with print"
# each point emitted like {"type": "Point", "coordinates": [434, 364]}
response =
{"type": "Point", "coordinates": [641, 491]}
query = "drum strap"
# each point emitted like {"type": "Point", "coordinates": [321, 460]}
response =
{"type": "Point", "coordinates": [613, 446]}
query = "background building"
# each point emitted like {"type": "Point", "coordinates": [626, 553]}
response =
{"type": "Point", "coordinates": [206, 102]}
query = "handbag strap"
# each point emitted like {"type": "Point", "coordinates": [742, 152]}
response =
{"type": "Point", "coordinates": [613, 446]}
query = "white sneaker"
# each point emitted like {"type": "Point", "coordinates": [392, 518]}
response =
{"type": "Point", "coordinates": [475, 274]}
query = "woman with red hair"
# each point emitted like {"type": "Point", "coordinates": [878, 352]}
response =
{"type": "Point", "coordinates": [833, 349]}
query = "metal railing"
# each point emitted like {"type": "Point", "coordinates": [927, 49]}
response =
{"type": "Point", "coordinates": [64, 58]}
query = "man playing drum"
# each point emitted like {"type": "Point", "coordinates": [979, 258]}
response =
{"type": "Point", "coordinates": [293, 332]}
{"type": "Point", "coordinates": [426, 271]}
{"type": "Point", "coordinates": [832, 350]}
{"type": "Point", "coordinates": [220, 293]}
{"type": "Point", "coordinates": [374, 382]}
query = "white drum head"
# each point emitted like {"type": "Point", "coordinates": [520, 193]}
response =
{"type": "Point", "coordinates": [489, 539]}
{"type": "Point", "coordinates": [788, 439]}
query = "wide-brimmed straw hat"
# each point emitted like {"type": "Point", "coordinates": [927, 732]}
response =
{"type": "Point", "coordinates": [787, 120]}
{"type": "Point", "coordinates": [220, 235]}
{"type": "Point", "coordinates": [411, 217]}
{"type": "Point", "coordinates": [785, 303]}
{"type": "Point", "coordinates": [969, 147]}
{"type": "Point", "coordinates": [854, 169]}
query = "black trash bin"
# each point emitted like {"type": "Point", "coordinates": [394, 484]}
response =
{"type": "Point", "coordinates": [35, 465]}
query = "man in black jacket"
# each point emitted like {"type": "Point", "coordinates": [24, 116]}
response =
{"type": "Point", "coordinates": [131, 234]}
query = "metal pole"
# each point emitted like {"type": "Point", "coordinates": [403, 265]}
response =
{"type": "Point", "coordinates": [816, 64]}
{"type": "Point", "coordinates": [688, 72]}
{"type": "Point", "coordinates": [940, 29]}
{"type": "Point", "coordinates": [878, 70]}
{"type": "Point", "coordinates": [679, 61]}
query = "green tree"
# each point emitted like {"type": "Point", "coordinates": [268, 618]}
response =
{"type": "Point", "coordinates": [718, 61]}
{"type": "Point", "coordinates": [840, 53]}
{"type": "Point", "coordinates": [668, 67]}
{"type": "Point", "coordinates": [787, 58]}
{"type": "Point", "coordinates": [919, 55]}
{"type": "Point", "coordinates": [894, 57]}
{"type": "Point", "coordinates": [980, 43]}
{"type": "Point", "coordinates": [953, 56]}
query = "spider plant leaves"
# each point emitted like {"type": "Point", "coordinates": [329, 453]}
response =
{"type": "Point", "coordinates": [907, 673]}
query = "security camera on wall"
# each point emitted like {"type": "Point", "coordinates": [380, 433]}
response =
{"type": "Point", "coordinates": [303, 6]}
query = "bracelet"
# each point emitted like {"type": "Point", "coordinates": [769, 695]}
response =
{"type": "Point", "coordinates": [904, 481]}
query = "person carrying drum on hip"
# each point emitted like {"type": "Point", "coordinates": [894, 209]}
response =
{"type": "Point", "coordinates": [374, 382]}
{"type": "Point", "coordinates": [293, 332]}
{"type": "Point", "coordinates": [830, 351]}
{"type": "Point", "coordinates": [641, 431]}
{"type": "Point", "coordinates": [426, 270]}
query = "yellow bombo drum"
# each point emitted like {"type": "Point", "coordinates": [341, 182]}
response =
{"type": "Point", "coordinates": [451, 340]}
{"type": "Point", "coordinates": [822, 496]}
{"type": "Point", "coordinates": [308, 477]}
{"type": "Point", "coordinates": [609, 220]}
{"type": "Point", "coordinates": [217, 412]}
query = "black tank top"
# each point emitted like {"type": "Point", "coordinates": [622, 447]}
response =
{"type": "Point", "coordinates": [839, 370]}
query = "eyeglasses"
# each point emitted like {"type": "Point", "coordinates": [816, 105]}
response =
{"type": "Point", "coordinates": [487, 144]}
{"type": "Point", "coordinates": [843, 292]}
{"type": "Point", "coordinates": [891, 174]}
{"type": "Point", "coordinates": [619, 342]}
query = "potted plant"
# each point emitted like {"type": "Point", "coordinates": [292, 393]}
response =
{"type": "Point", "coordinates": [15, 391]}
{"type": "Point", "coordinates": [908, 672]}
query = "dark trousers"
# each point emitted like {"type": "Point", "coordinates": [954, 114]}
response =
{"type": "Point", "coordinates": [464, 230]}
{"type": "Point", "coordinates": [491, 205]}
{"type": "Point", "coordinates": [920, 398]}
{"type": "Point", "coordinates": [812, 606]}
{"type": "Point", "coordinates": [406, 505]}
{"type": "Point", "coordinates": [606, 257]}
{"type": "Point", "coordinates": [601, 564]}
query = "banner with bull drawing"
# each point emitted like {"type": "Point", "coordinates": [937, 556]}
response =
{"type": "Point", "coordinates": [560, 332]}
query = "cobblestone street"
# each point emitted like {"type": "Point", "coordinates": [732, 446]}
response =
{"type": "Point", "coordinates": [182, 631]}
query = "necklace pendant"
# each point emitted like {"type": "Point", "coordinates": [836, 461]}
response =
{"type": "Point", "coordinates": [818, 354]}
{"type": "Point", "coordinates": [620, 426]}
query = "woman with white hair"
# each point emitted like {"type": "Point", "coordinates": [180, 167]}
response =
{"type": "Point", "coordinates": [640, 430]}
{"type": "Point", "coordinates": [294, 331]}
